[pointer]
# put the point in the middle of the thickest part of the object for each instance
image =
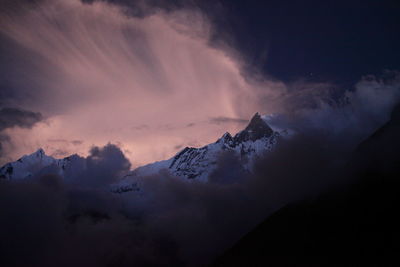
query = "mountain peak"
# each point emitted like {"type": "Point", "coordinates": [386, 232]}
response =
{"type": "Point", "coordinates": [256, 122]}
{"type": "Point", "coordinates": [247, 145]}
{"type": "Point", "coordinates": [39, 153]}
{"type": "Point", "coordinates": [256, 129]}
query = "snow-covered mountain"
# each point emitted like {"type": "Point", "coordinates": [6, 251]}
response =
{"type": "Point", "coordinates": [190, 163]}
{"type": "Point", "coordinates": [198, 163]}
{"type": "Point", "coordinates": [32, 164]}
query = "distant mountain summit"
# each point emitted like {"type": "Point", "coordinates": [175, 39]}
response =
{"type": "Point", "coordinates": [256, 129]}
{"type": "Point", "coordinates": [198, 163]}
{"type": "Point", "coordinates": [32, 164]}
{"type": "Point", "coordinates": [190, 163]}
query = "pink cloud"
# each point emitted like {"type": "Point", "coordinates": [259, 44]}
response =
{"type": "Point", "coordinates": [102, 73]}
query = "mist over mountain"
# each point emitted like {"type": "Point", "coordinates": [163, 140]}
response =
{"type": "Point", "coordinates": [173, 220]}
{"type": "Point", "coordinates": [354, 223]}
{"type": "Point", "coordinates": [199, 133]}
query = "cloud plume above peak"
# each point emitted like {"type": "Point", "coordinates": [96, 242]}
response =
{"type": "Point", "coordinates": [97, 72]}
{"type": "Point", "coordinates": [152, 83]}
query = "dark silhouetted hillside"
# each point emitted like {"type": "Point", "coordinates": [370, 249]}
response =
{"type": "Point", "coordinates": [354, 225]}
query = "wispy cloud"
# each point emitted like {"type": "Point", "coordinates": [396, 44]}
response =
{"type": "Point", "coordinates": [227, 120]}
{"type": "Point", "coordinates": [94, 70]}
{"type": "Point", "coordinates": [11, 117]}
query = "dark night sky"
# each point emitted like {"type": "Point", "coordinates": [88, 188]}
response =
{"type": "Point", "coordinates": [334, 40]}
{"type": "Point", "coordinates": [339, 41]}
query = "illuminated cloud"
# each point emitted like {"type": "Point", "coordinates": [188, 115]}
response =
{"type": "Point", "coordinates": [153, 84]}
{"type": "Point", "coordinates": [102, 76]}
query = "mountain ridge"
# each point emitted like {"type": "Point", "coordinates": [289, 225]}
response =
{"type": "Point", "coordinates": [190, 163]}
{"type": "Point", "coordinates": [248, 144]}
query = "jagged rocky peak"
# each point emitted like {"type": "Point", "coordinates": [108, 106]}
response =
{"type": "Point", "coordinates": [226, 138]}
{"type": "Point", "coordinates": [247, 145]}
{"type": "Point", "coordinates": [256, 129]}
{"type": "Point", "coordinates": [39, 153]}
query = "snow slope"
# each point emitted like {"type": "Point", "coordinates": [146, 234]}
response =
{"type": "Point", "coordinates": [197, 163]}
{"type": "Point", "coordinates": [29, 165]}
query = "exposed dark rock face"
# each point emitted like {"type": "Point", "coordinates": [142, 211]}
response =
{"type": "Point", "coordinates": [256, 129]}
{"type": "Point", "coordinates": [193, 162]}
